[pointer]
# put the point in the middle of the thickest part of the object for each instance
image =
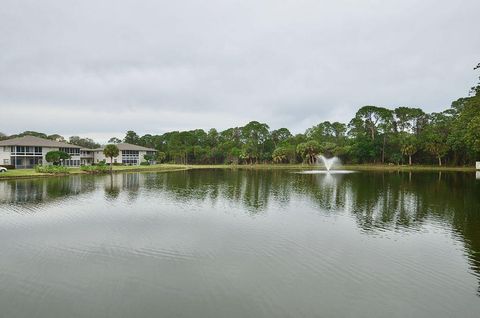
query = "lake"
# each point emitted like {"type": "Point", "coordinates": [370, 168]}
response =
{"type": "Point", "coordinates": [241, 243]}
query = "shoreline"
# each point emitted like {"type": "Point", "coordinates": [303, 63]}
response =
{"type": "Point", "coordinates": [31, 173]}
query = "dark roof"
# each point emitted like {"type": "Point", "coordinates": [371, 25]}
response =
{"type": "Point", "coordinates": [36, 141]}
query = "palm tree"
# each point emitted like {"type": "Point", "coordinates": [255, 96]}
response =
{"type": "Point", "coordinates": [111, 151]}
{"type": "Point", "coordinates": [309, 150]}
{"type": "Point", "coordinates": [409, 150]}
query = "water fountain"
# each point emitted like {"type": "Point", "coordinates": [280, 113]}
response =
{"type": "Point", "coordinates": [329, 163]}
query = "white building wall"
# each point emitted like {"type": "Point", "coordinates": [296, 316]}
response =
{"type": "Point", "coordinates": [77, 160]}
{"type": "Point", "coordinates": [142, 153]}
{"type": "Point", "coordinates": [5, 155]}
{"type": "Point", "coordinates": [99, 156]}
{"type": "Point", "coordinates": [45, 150]}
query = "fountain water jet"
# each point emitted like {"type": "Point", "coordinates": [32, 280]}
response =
{"type": "Point", "coordinates": [328, 162]}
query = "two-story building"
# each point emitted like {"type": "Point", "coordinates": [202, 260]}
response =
{"type": "Point", "coordinates": [87, 156]}
{"type": "Point", "coordinates": [29, 151]}
{"type": "Point", "coordinates": [128, 154]}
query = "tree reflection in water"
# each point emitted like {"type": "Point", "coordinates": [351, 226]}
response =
{"type": "Point", "coordinates": [378, 201]}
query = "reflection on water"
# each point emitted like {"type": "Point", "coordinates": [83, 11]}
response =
{"type": "Point", "coordinates": [409, 207]}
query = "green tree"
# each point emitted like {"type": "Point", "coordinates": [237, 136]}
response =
{"type": "Point", "coordinates": [476, 89]}
{"type": "Point", "coordinates": [83, 142]}
{"type": "Point", "coordinates": [149, 158]}
{"type": "Point", "coordinates": [131, 137]}
{"type": "Point", "coordinates": [111, 151]}
{"type": "Point", "coordinates": [436, 134]}
{"type": "Point", "coordinates": [309, 151]}
{"type": "Point", "coordinates": [56, 137]}
{"type": "Point", "coordinates": [327, 132]}
{"type": "Point", "coordinates": [254, 136]}
{"type": "Point", "coordinates": [280, 136]}
{"type": "Point", "coordinates": [367, 120]}
{"type": "Point", "coordinates": [409, 146]}
{"type": "Point", "coordinates": [409, 120]}
{"type": "Point", "coordinates": [462, 131]}
{"type": "Point", "coordinates": [372, 121]}
{"type": "Point", "coordinates": [31, 133]}
{"type": "Point", "coordinates": [438, 149]}
{"type": "Point", "coordinates": [234, 154]}
{"type": "Point", "coordinates": [56, 157]}
{"type": "Point", "coordinates": [161, 156]}
{"type": "Point", "coordinates": [114, 140]}
{"type": "Point", "coordinates": [473, 134]}
{"type": "Point", "coordinates": [279, 155]}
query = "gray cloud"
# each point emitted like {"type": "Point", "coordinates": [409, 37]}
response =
{"type": "Point", "coordinates": [98, 68]}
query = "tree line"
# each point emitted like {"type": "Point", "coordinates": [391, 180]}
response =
{"type": "Point", "coordinates": [400, 135]}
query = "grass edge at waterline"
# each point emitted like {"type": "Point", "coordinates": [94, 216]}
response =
{"type": "Point", "coordinates": [31, 173]}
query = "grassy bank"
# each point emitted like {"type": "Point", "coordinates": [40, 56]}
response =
{"type": "Point", "coordinates": [31, 173]}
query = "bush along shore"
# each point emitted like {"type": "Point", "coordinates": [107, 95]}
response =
{"type": "Point", "coordinates": [51, 169]}
{"type": "Point", "coordinates": [98, 169]}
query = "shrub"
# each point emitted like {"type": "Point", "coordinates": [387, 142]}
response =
{"type": "Point", "coordinates": [95, 169]}
{"type": "Point", "coordinates": [52, 169]}
{"type": "Point", "coordinates": [144, 163]}
{"type": "Point", "coordinates": [56, 157]}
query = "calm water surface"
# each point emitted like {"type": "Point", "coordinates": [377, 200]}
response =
{"type": "Point", "coordinates": [226, 243]}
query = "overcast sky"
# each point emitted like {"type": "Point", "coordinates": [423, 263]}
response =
{"type": "Point", "coordinates": [99, 68]}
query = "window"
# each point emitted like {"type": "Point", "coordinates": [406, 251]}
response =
{"type": "Point", "coordinates": [130, 152]}
{"type": "Point", "coordinates": [71, 151]}
{"type": "Point", "coordinates": [26, 150]}
{"type": "Point", "coordinates": [71, 163]}
{"type": "Point", "coordinates": [130, 157]}
{"type": "Point", "coordinates": [130, 161]}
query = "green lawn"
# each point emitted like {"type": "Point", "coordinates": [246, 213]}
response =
{"type": "Point", "coordinates": [20, 173]}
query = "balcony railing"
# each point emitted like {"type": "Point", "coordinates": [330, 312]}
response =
{"type": "Point", "coordinates": [26, 154]}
